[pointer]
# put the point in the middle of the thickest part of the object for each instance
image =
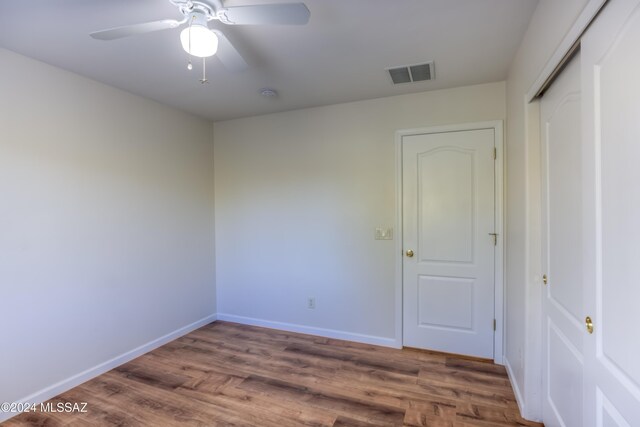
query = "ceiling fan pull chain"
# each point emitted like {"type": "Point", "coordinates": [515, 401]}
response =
{"type": "Point", "coordinates": [204, 71]}
{"type": "Point", "coordinates": [189, 64]}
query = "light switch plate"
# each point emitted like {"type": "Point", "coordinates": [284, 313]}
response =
{"type": "Point", "coordinates": [384, 233]}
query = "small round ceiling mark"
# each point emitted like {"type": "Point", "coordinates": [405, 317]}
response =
{"type": "Point", "coordinates": [268, 92]}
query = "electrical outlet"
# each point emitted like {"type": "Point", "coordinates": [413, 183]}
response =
{"type": "Point", "coordinates": [311, 303]}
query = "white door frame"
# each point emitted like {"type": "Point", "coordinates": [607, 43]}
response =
{"type": "Point", "coordinates": [497, 126]}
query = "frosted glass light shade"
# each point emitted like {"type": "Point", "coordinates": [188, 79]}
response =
{"type": "Point", "coordinates": [204, 42]}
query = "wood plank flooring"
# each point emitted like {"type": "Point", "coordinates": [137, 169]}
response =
{"type": "Point", "coordinates": [227, 374]}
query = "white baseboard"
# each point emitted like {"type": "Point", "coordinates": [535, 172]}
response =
{"type": "Point", "coordinates": [75, 380]}
{"type": "Point", "coordinates": [514, 385]}
{"type": "Point", "coordinates": [310, 330]}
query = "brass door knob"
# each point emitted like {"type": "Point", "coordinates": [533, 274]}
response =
{"type": "Point", "coordinates": [589, 324]}
{"type": "Point", "coordinates": [409, 253]}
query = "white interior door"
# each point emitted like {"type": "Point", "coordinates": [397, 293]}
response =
{"type": "Point", "coordinates": [562, 262]}
{"type": "Point", "coordinates": [448, 218]}
{"type": "Point", "coordinates": [611, 88]}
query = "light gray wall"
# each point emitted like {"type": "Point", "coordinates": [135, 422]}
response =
{"type": "Point", "coordinates": [551, 21]}
{"type": "Point", "coordinates": [298, 196]}
{"type": "Point", "coordinates": [106, 223]}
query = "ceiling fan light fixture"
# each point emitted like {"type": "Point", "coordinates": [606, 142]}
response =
{"type": "Point", "coordinates": [203, 43]}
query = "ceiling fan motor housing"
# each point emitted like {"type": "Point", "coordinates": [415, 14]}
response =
{"type": "Point", "coordinates": [207, 9]}
{"type": "Point", "coordinates": [197, 17]}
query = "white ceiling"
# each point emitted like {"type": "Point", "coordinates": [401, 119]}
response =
{"type": "Point", "coordinates": [340, 56]}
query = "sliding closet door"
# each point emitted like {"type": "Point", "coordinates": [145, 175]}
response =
{"type": "Point", "coordinates": [563, 334]}
{"type": "Point", "coordinates": [611, 173]}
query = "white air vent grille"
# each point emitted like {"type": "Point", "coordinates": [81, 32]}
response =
{"type": "Point", "coordinates": [400, 75]}
{"type": "Point", "coordinates": [412, 73]}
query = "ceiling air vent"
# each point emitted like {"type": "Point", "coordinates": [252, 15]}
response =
{"type": "Point", "coordinates": [412, 73]}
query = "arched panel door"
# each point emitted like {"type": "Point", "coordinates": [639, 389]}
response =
{"type": "Point", "coordinates": [448, 221]}
{"type": "Point", "coordinates": [611, 232]}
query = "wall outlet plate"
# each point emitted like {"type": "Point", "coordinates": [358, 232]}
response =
{"type": "Point", "coordinates": [311, 302]}
{"type": "Point", "coordinates": [384, 233]}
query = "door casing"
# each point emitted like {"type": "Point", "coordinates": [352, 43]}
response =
{"type": "Point", "coordinates": [498, 128]}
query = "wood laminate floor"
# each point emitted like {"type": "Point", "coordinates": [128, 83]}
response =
{"type": "Point", "coordinates": [226, 374]}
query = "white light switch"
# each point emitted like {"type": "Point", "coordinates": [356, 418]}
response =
{"type": "Point", "coordinates": [384, 233]}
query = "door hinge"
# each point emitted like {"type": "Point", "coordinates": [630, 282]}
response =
{"type": "Point", "coordinates": [494, 324]}
{"type": "Point", "coordinates": [495, 153]}
{"type": "Point", "coordinates": [495, 238]}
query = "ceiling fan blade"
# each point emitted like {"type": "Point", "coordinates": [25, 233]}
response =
{"type": "Point", "coordinates": [130, 30]}
{"type": "Point", "coordinates": [266, 14]}
{"type": "Point", "coordinates": [228, 54]}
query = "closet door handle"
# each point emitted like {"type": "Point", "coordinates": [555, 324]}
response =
{"type": "Point", "coordinates": [589, 324]}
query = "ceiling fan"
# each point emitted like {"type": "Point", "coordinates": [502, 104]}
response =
{"type": "Point", "coordinates": [200, 41]}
